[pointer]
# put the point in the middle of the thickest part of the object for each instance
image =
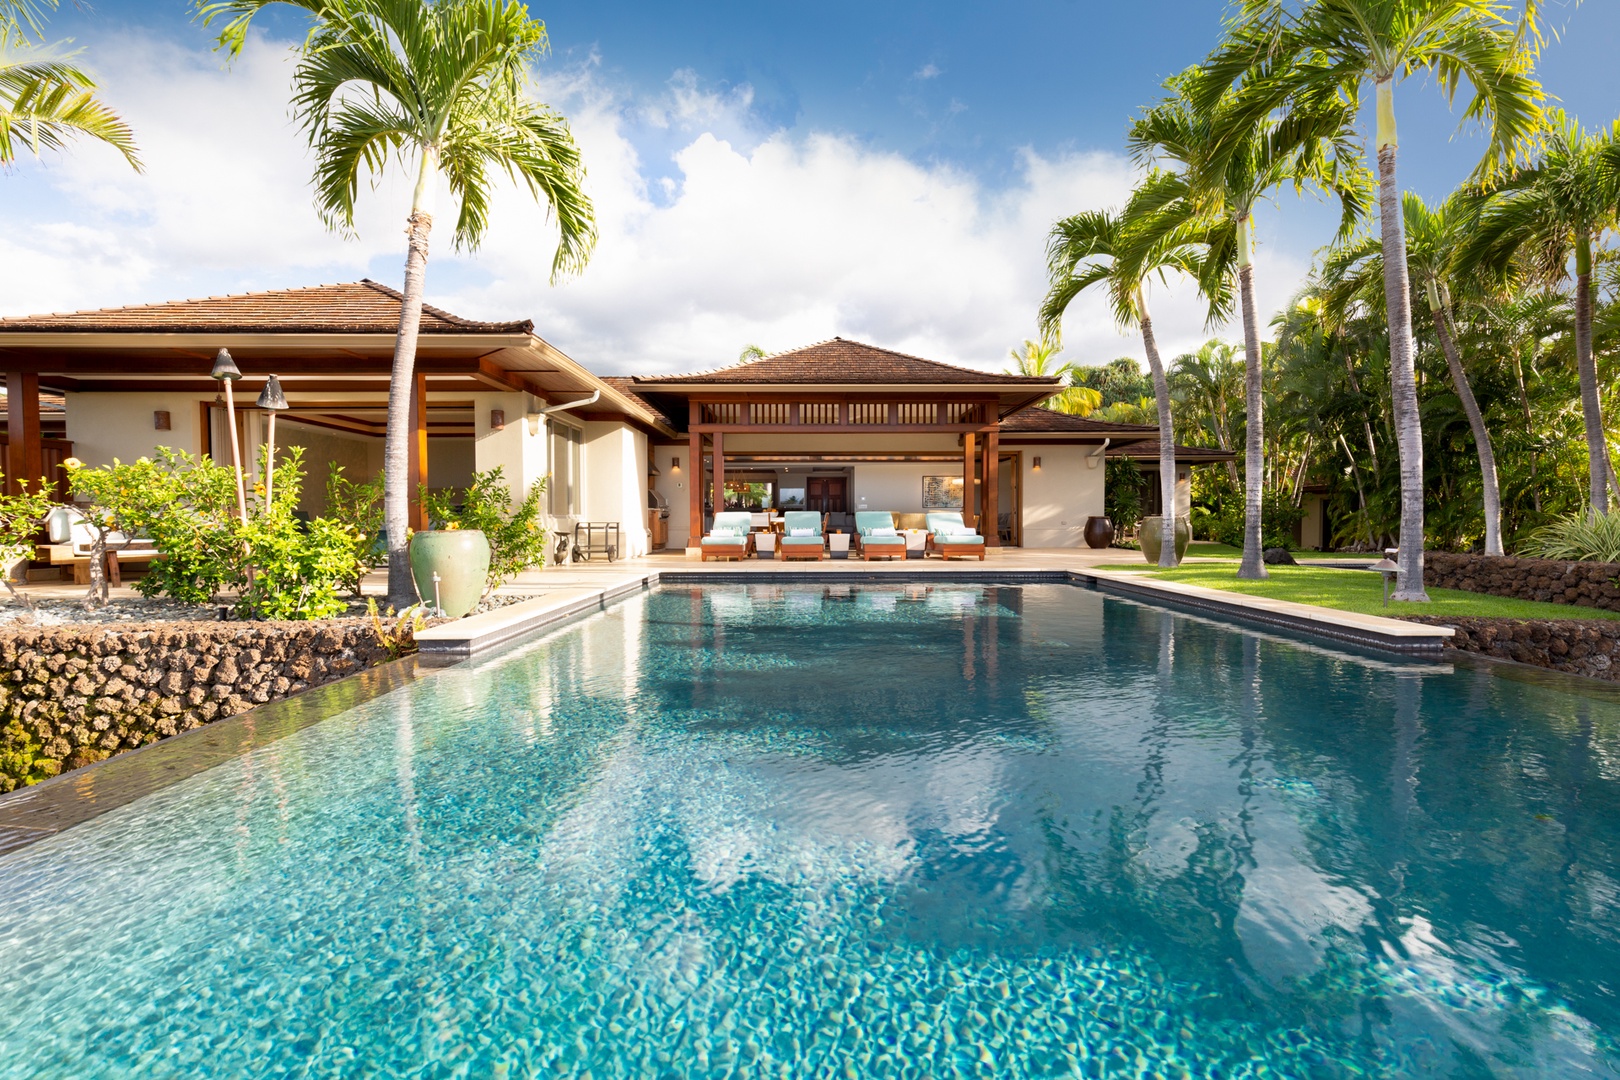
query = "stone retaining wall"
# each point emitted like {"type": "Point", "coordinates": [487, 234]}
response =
{"type": "Point", "coordinates": [1583, 584]}
{"type": "Point", "coordinates": [73, 695]}
{"type": "Point", "coordinates": [1579, 646]}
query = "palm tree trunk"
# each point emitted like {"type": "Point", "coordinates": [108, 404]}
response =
{"type": "Point", "coordinates": [1403, 375]}
{"type": "Point", "coordinates": [1591, 405]}
{"type": "Point", "coordinates": [1167, 436]}
{"type": "Point", "coordinates": [1529, 425]}
{"type": "Point", "coordinates": [1252, 567]}
{"type": "Point", "coordinates": [1476, 422]}
{"type": "Point", "coordinates": [396, 443]}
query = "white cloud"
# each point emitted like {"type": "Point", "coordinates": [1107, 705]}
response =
{"type": "Point", "coordinates": [739, 236]}
{"type": "Point", "coordinates": [927, 71]}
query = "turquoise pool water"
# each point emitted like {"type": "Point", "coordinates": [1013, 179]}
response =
{"type": "Point", "coordinates": [841, 832]}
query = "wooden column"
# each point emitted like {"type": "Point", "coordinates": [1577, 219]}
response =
{"type": "Point", "coordinates": [694, 485]}
{"type": "Point", "coordinates": [719, 473]}
{"type": "Point", "coordinates": [970, 498]}
{"type": "Point", "coordinates": [992, 497]}
{"type": "Point", "coordinates": [25, 452]}
{"type": "Point", "coordinates": [417, 469]}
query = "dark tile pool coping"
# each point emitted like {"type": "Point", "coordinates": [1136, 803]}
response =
{"type": "Point", "coordinates": [31, 814]}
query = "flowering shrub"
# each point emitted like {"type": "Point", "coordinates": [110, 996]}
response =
{"type": "Point", "coordinates": [20, 515]}
{"type": "Point", "coordinates": [277, 566]}
{"type": "Point", "coordinates": [516, 539]}
{"type": "Point", "coordinates": [360, 505]}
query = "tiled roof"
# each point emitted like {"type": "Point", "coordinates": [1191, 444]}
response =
{"type": "Point", "coordinates": [845, 362]}
{"type": "Point", "coordinates": [1038, 421]}
{"type": "Point", "coordinates": [625, 386]}
{"type": "Point", "coordinates": [1186, 455]}
{"type": "Point", "coordinates": [357, 307]}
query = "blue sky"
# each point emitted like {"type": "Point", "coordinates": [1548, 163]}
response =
{"type": "Point", "coordinates": [765, 172]}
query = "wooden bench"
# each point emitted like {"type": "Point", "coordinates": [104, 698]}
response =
{"type": "Point", "coordinates": [64, 555]}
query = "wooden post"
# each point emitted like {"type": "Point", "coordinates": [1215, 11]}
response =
{"type": "Point", "coordinates": [416, 472]}
{"type": "Point", "coordinates": [25, 460]}
{"type": "Point", "coordinates": [970, 496]}
{"type": "Point", "coordinates": [992, 497]}
{"type": "Point", "coordinates": [694, 485]}
{"type": "Point", "coordinates": [719, 473]}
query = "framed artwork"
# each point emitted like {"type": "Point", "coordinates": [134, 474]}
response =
{"type": "Point", "coordinates": [942, 493]}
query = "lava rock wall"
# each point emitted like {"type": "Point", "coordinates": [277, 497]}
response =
{"type": "Point", "coordinates": [1583, 584]}
{"type": "Point", "coordinates": [73, 695]}
{"type": "Point", "coordinates": [1583, 647]}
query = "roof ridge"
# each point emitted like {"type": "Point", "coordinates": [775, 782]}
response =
{"type": "Point", "coordinates": [840, 340]}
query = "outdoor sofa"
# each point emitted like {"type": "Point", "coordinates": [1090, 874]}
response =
{"type": "Point", "coordinates": [948, 536]}
{"type": "Point", "coordinates": [801, 535]}
{"type": "Point", "coordinates": [879, 539]}
{"type": "Point", "coordinates": [730, 537]}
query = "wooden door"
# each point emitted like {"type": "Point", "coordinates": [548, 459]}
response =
{"type": "Point", "coordinates": [826, 494]}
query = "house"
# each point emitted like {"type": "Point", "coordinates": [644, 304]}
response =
{"type": "Point", "coordinates": [485, 394]}
{"type": "Point", "coordinates": [837, 426]}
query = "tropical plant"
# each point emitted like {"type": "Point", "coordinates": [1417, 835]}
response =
{"type": "Point", "coordinates": [1577, 537]}
{"type": "Point", "coordinates": [397, 636]}
{"type": "Point", "coordinates": [517, 541]}
{"type": "Point", "coordinates": [1122, 494]}
{"type": "Point", "coordinates": [1354, 273]}
{"type": "Point", "coordinates": [1299, 54]}
{"type": "Point", "coordinates": [443, 81]}
{"type": "Point", "coordinates": [1209, 388]}
{"type": "Point", "coordinates": [45, 98]}
{"type": "Point", "coordinates": [20, 515]}
{"type": "Point", "coordinates": [1229, 161]}
{"type": "Point", "coordinates": [360, 506]}
{"type": "Point", "coordinates": [1038, 359]}
{"type": "Point", "coordinates": [1123, 251]}
{"type": "Point", "coordinates": [1557, 207]}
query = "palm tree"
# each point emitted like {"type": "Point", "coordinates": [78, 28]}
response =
{"type": "Point", "coordinates": [1353, 271]}
{"type": "Point", "coordinates": [45, 99]}
{"type": "Point", "coordinates": [1301, 54]}
{"type": "Point", "coordinates": [1559, 206]}
{"type": "Point", "coordinates": [1231, 161]}
{"type": "Point", "coordinates": [440, 81]}
{"type": "Point", "coordinates": [1123, 251]}
{"type": "Point", "coordinates": [1038, 359]}
{"type": "Point", "coordinates": [1210, 381]}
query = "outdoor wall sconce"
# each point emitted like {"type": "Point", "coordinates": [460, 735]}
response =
{"type": "Point", "coordinates": [675, 465]}
{"type": "Point", "coordinates": [160, 420]}
{"type": "Point", "coordinates": [497, 419]}
{"type": "Point", "coordinates": [1037, 464]}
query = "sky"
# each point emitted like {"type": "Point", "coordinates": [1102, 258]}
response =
{"type": "Point", "coordinates": [763, 173]}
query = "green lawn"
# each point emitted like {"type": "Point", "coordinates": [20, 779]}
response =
{"type": "Point", "coordinates": [1208, 549]}
{"type": "Point", "coordinates": [1362, 591]}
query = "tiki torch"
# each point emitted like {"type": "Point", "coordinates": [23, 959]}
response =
{"type": "Point", "coordinates": [225, 371]}
{"type": "Point", "coordinates": [272, 400]}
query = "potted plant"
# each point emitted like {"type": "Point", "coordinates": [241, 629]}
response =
{"type": "Point", "coordinates": [450, 567]}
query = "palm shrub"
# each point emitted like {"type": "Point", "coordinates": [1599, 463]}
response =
{"type": "Point", "coordinates": [1578, 537]}
{"type": "Point", "coordinates": [517, 541]}
{"type": "Point", "coordinates": [20, 515]}
{"type": "Point", "coordinates": [1122, 494]}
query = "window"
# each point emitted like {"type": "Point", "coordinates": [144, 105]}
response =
{"type": "Point", "coordinates": [566, 441]}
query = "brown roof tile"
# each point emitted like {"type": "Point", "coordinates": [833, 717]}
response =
{"type": "Point", "coordinates": [844, 362]}
{"type": "Point", "coordinates": [625, 386]}
{"type": "Point", "coordinates": [357, 307]}
{"type": "Point", "coordinates": [1038, 421]}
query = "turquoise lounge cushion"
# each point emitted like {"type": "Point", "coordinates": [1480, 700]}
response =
{"type": "Point", "coordinates": [867, 520]}
{"type": "Point", "coordinates": [732, 523]}
{"type": "Point", "coordinates": [802, 519]}
{"type": "Point", "coordinates": [726, 539]}
{"type": "Point", "coordinates": [881, 541]}
{"type": "Point", "coordinates": [800, 541]}
{"type": "Point", "coordinates": [948, 523]}
{"type": "Point", "coordinates": [959, 539]}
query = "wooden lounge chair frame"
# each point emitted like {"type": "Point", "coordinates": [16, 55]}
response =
{"type": "Point", "coordinates": [808, 552]}
{"type": "Point", "coordinates": [878, 551]}
{"type": "Point", "coordinates": [946, 550]}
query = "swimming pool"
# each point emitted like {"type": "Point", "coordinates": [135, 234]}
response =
{"type": "Point", "coordinates": [845, 831]}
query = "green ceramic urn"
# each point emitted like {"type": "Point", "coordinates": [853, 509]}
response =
{"type": "Point", "coordinates": [460, 558]}
{"type": "Point", "coordinates": [1151, 536]}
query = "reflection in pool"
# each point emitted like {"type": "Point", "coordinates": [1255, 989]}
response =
{"type": "Point", "coordinates": [910, 831]}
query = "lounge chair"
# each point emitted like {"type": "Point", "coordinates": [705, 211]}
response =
{"type": "Point", "coordinates": [947, 536]}
{"type": "Point", "coordinates": [801, 535]}
{"type": "Point", "coordinates": [729, 537]}
{"type": "Point", "coordinates": [879, 539]}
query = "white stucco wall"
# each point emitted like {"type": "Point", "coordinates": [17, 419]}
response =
{"type": "Point", "coordinates": [614, 460]}
{"type": "Point", "coordinates": [1059, 498]}
{"type": "Point", "coordinates": [895, 487]}
{"type": "Point", "coordinates": [105, 426]}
